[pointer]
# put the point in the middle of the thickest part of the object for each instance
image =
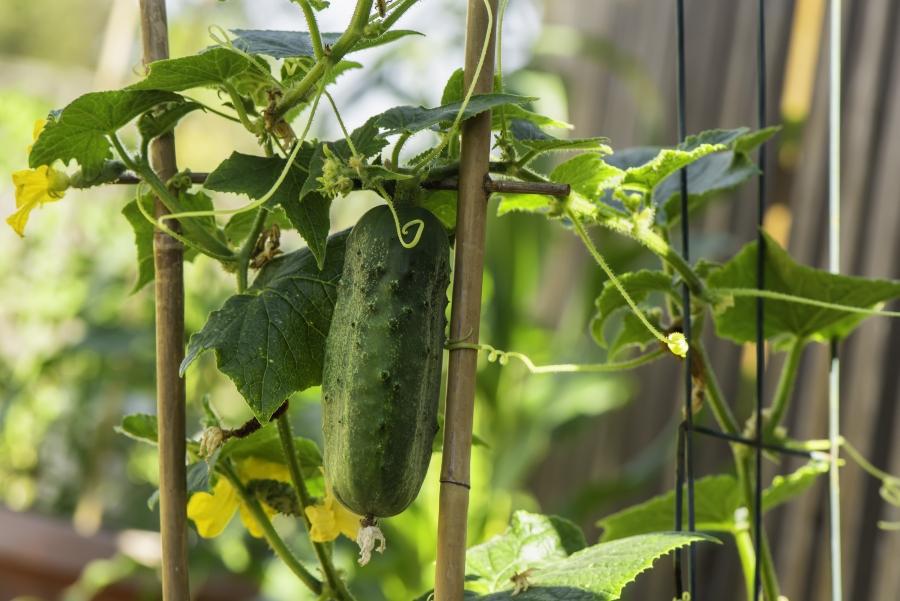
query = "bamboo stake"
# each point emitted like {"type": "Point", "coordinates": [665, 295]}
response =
{"type": "Point", "coordinates": [465, 316]}
{"type": "Point", "coordinates": [167, 257]}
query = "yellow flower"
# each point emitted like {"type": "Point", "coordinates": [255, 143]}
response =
{"type": "Point", "coordinates": [677, 343]}
{"type": "Point", "coordinates": [329, 519]}
{"type": "Point", "coordinates": [211, 512]}
{"type": "Point", "coordinates": [35, 187]}
{"type": "Point", "coordinates": [35, 132]}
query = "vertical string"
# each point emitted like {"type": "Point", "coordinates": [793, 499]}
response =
{"type": "Point", "coordinates": [685, 469]}
{"type": "Point", "coordinates": [760, 284]}
{"type": "Point", "coordinates": [834, 264]}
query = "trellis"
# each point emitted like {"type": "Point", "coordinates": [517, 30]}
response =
{"type": "Point", "coordinates": [684, 480]}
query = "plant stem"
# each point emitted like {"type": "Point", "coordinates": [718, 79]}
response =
{"type": "Point", "coordinates": [273, 538]}
{"type": "Point", "coordinates": [785, 386]}
{"type": "Point", "coordinates": [722, 412]}
{"type": "Point", "coordinates": [239, 107]}
{"type": "Point", "coordinates": [313, 26]}
{"type": "Point", "coordinates": [335, 583]}
{"type": "Point", "coordinates": [345, 43]}
{"type": "Point", "coordinates": [247, 249]}
{"type": "Point", "coordinates": [395, 154]}
{"type": "Point", "coordinates": [744, 543]}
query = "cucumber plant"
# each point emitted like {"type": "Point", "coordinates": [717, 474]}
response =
{"type": "Point", "coordinates": [363, 313]}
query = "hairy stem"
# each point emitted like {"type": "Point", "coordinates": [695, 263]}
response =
{"type": "Point", "coordinates": [785, 386]}
{"type": "Point", "coordinates": [238, 106]}
{"type": "Point", "coordinates": [345, 43]}
{"type": "Point", "coordinates": [313, 26]}
{"type": "Point", "coordinates": [272, 537]}
{"type": "Point", "coordinates": [335, 583]}
{"type": "Point", "coordinates": [747, 554]}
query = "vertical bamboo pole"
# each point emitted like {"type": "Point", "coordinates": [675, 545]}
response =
{"type": "Point", "coordinates": [167, 257]}
{"type": "Point", "coordinates": [465, 313]}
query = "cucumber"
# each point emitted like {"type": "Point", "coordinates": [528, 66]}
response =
{"type": "Point", "coordinates": [382, 366]}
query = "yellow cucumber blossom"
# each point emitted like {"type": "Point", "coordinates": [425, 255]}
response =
{"type": "Point", "coordinates": [677, 343]}
{"type": "Point", "coordinates": [35, 187]}
{"type": "Point", "coordinates": [329, 518]}
{"type": "Point", "coordinates": [212, 511]}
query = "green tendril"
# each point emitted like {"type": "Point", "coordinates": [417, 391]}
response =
{"type": "Point", "coordinates": [503, 357]}
{"type": "Point", "coordinates": [676, 341]}
{"type": "Point", "coordinates": [436, 151]}
{"type": "Point", "coordinates": [404, 229]}
{"type": "Point", "coordinates": [800, 300]}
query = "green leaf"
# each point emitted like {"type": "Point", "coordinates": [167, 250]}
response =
{"type": "Point", "coordinates": [412, 119]}
{"type": "Point", "coordinates": [139, 426]}
{"type": "Point", "coordinates": [534, 139]}
{"type": "Point", "coordinates": [162, 119]}
{"type": "Point", "coordinates": [717, 499]}
{"type": "Point", "coordinates": [708, 177]}
{"type": "Point", "coordinates": [634, 333]}
{"type": "Point", "coordinates": [291, 44]}
{"type": "Point", "coordinates": [211, 67]}
{"type": "Point", "coordinates": [668, 161]}
{"type": "Point", "coordinates": [533, 546]}
{"type": "Point", "coordinates": [265, 444]}
{"type": "Point", "coordinates": [789, 319]}
{"type": "Point", "coordinates": [785, 488]}
{"type": "Point", "coordinates": [80, 131]}
{"type": "Point", "coordinates": [588, 174]}
{"type": "Point", "coordinates": [279, 44]}
{"type": "Point", "coordinates": [443, 204]}
{"type": "Point", "coordinates": [517, 113]}
{"type": "Point", "coordinates": [523, 203]}
{"type": "Point", "coordinates": [271, 340]}
{"type": "Point", "coordinates": [255, 176]}
{"type": "Point", "coordinates": [311, 216]}
{"type": "Point", "coordinates": [143, 240]}
{"type": "Point", "coordinates": [530, 538]}
{"type": "Point", "coordinates": [238, 227]}
{"type": "Point", "coordinates": [639, 285]}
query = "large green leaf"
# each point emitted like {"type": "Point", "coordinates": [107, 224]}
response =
{"type": "Point", "coordinates": [534, 139]}
{"type": "Point", "coordinates": [790, 319]}
{"type": "Point", "coordinates": [80, 131]}
{"type": "Point", "coordinates": [708, 176]}
{"type": "Point", "coordinates": [716, 500]}
{"type": "Point", "coordinates": [271, 340]}
{"type": "Point", "coordinates": [212, 67]}
{"type": "Point", "coordinates": [588, 174]}
{"type": "Point", "coordinates": [279, 44]}
{"type": "Point", "coordinates": [411, 119]}
{"type": "Point", "coordinates": [533, 548]}
{"type": "Point", "coordinates": [291, 44]}
{"type": "Point", "coordinates": [255, 176]}
{"type": "Point", "coordinates": [666, 162]}
{"type": "Point", "coordinates": [530, 538]}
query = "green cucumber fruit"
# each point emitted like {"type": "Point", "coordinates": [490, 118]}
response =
{"type": "Point", "coordinates": [382, 367]}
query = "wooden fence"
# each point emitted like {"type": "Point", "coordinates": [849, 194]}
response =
{"type": "Point", "coordinates": [721, 49]}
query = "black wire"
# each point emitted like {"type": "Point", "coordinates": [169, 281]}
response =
{"type": "Point", "coordinates": [752, 443]}
{"type": "Point", "coordinates": [686, 459]}
{"type": "Point", "coordinates": [760, 283]}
